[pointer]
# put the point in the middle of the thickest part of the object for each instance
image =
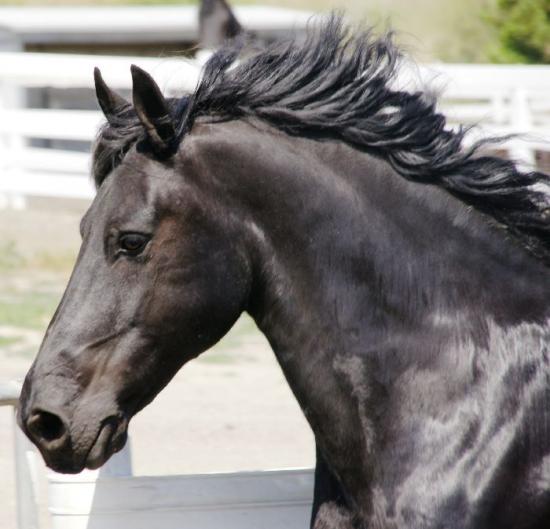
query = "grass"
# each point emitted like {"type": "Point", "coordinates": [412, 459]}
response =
{"type": "Point", "coordinates": [12, 260]}
{"type": "Point", "coordinates": [27, 309]}
{"type": "Point", "coordinates": [7, 341]}
{"type": "Point", "coordinates": [52, 261]}
{"type": "Point", "coordinates": [30, 286]}
{"type": "Point", "coordinates": [27, 303]}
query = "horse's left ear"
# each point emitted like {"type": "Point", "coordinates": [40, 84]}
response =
{"type": "Point", "coordinates": [110, 102]}
{"type": "Point", "coordinates": [152, 110]}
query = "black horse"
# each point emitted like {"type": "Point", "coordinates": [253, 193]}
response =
{"type": "Point", "coordinates": [402, 280]}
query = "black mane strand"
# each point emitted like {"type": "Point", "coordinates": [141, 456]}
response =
{"type": "Point", "coordinates": [340, 85]}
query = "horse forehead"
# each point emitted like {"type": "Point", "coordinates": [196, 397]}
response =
{"type": "Point", "coordinates": [120, 195]}
{"type": "Point", "coordinates": [135, 180]}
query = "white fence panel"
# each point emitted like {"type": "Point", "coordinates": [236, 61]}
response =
{"type": "Point", "coordinates": [67, 71]}
{"type": "Point", "coordinates": [499, 100]}
{"type": "Point", "coordinates": [278, 499]}
{"type": "Point", "coordinates": [27, 170]}
{"type": "Point", "coordinates": [112, 498]}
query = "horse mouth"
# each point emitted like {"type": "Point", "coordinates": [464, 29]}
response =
{"type": "Point", "coordinates": [110, 439]}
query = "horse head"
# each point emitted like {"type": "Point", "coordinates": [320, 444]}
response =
{"type": "Point", "coordinates": [159, 279]}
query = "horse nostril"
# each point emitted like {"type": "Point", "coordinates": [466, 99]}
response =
{"type": "Point", "coordinates": [46, 427]}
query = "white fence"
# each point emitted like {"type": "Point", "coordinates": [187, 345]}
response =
{"type": "Point", "coordinates": [112, 498]}
{"type": "Point", "coordinates": [502, 99]}
{"type": "Point", "coordinates": [26, 170]}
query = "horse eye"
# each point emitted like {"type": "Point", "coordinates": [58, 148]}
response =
{"type": "Point", "coordinates": [132, 243]}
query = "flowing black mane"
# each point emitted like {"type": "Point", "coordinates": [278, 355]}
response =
{"type": "Point", "coordinates": [339, 85]}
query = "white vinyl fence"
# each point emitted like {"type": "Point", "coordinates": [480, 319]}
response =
{"type": "Point", "coordinates": [112, 498]}
{"type": "Point", "coordinates": [41, 171]}
{"type": "Point", "coordinates": [501, 99]}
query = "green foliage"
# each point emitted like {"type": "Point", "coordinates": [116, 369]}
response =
{"type": "Point", "coordinates": [523, 31]}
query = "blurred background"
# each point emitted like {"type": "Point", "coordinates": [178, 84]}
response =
{"type": "Point", "coordinates": [447, 30]}
{"type": "Point", "coordinates": [230, 409]}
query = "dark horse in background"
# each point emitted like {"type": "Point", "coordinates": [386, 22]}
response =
{"type": "Point", "coordinates": [217, 24]}
{"type": "Point", "coordinates": [401, 279]}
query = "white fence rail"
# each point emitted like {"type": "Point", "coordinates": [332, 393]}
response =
{"type": "Point", "coordinates": [28, 170]}
{"type": "Point", "coordinates": [501, 99]}
{"type": "Point", "coordinates": [112, 498]}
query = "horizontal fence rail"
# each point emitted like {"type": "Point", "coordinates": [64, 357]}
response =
{"type": "Point", "coordinates": [113, 498]}
{"type": "Point", "coordinates": [49, 170]}
{"type": "Point", "coordinates": [68, 71]}
{"type": "Point", "coordinates": [498, 100]}
{"type": "Point", "coordinates": [38, 156]}
{"type": "Point", "coordinates": [136, 24]}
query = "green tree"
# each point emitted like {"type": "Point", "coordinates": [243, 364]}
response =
{"type": "Point", "coordinates": [523, 31]}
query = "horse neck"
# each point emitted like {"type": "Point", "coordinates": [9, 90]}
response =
{"type": "Point", "coordinates": [334, 227]}
{"type": "Point", "coordinates": [348, 255]}
{"type": "Point", "coordinates": [341, 245]}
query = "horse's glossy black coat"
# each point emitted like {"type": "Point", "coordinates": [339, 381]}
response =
{"type": "Point", "coordinates": [402, 283]}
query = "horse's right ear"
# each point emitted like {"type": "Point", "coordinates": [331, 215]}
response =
{"type": "Point", "coordinates": [217, 23]}
{"type": "Point", "coordinates": [110, 102]}
{"type": "Point", "coordinates": [152, 110]}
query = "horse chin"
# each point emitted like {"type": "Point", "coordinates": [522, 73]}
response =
{"type": "Point", "coordinates": [110, 439]}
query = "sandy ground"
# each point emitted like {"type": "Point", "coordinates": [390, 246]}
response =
{"type": "Point", "coordinates": [229, 410]}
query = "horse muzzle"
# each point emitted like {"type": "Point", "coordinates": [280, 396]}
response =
{"type": "Point", "coordinates": [70, 445]}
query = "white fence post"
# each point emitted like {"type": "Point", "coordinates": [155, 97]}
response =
{"type": "Point", "coordinates": [11, 97]}
{"type": "Point", "coordinates": [25, 470]}
{"type": "Point", "coordinates": [26, 480]}
{"type": "Point", "coordinates": [11, 143]}
{"type": "Point", "coordinates": [521, 122]}
{"type": "Point", "coordinates": [498, 108]}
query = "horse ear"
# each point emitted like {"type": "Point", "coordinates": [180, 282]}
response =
{"type": "Point", "coordinates": [110, 102]}
{"type": "Point", "coordinates": [217, 23]}
{"type": "Point", "coordinates": [152, 110]}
